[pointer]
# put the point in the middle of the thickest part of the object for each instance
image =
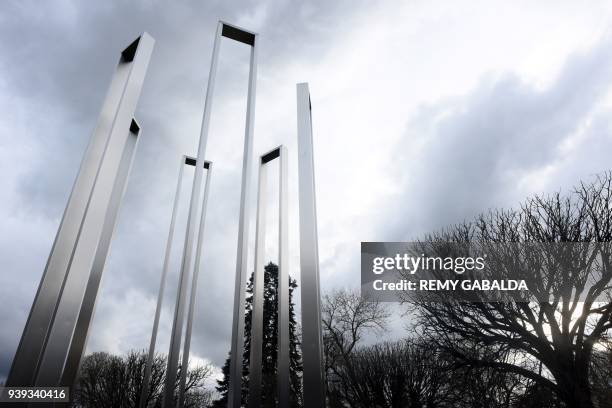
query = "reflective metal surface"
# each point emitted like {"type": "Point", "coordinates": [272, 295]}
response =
{"type": "Point", "coordinates": [235, 380]}
{"type": "Point", "coordinates": [194, 286]}
{"type": "Point", "coordinates": [258, 293]}
{"type": "Point", "coordinates": [312, 339]}
{"type": "Point", "coordinates": [79, 339]}
{"type": "Point", "coordinates": [72, 298]}
{"type": "Point", "coordinates": [237, 34]}
{"type": "Point", "coordinates": [283, 373]}
{"type": "Point", "coordinates": [255, 360]}
{"type": "Point", "coordinates": [61, 270]}
{"type": "Point", "coordinates": [144, 394]}
{"type": "Point", "coordinates": [178, 321]}
{"type": "Point", "coordinates": [175, 342]}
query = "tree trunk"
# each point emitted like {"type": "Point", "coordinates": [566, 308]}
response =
{"type": "Point", "coordinates": [577, 394]}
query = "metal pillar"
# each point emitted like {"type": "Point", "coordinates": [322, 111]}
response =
{"type": "Point", "coordinates": [255, 374]}
{"type": "Point", "coordinates": [235, 380]}
{"type": "Point", "coordinates": [194, 285]}
{"type": "Point", "coordinates": [79, 339]}
{"type": "Point", "coordinates": [51, 322]}
{"type": "Point", "coordinates": [189, 161]}
{"type": "Point", "coordinates": [144, 392]}
{"type": "Point", "coordinates": [312, 340]}
{"type": "Point", "coordinates": [246, 37]}
{"type": "Point", "coordinates": [283, 368]}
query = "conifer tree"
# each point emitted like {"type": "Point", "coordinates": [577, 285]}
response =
{"type": "Point", "coordinates": [269, 346]}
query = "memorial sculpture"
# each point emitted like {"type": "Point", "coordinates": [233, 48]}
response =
{"type": "Point", "coordinates": [55, 334]}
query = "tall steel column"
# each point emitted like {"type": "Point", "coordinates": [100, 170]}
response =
{"type": "Point", "coordinates": [79, 339]}
{"type": "Point", "coordinates": [67, 310]}
{"type": "Point", "coordinates": [283, 368]}
{"type": "Point", "coordinates": [144, 392]}
{"type": "Point", "coordinates": [235, 380]}
{"type": "Point", "coordinates": [190, 232]}
{"type": "Point", "coordinates": [194, 286]}
{"type": "Point", "coordinates": [61, 270]}
{"type": "Point", "coordinates": [246, 37]}
{"type": "Point", "coordinates": [189, 161]}
{"type": "Point", "coordinates": [178, 322]}
{"type": "Point", "coordinates": [255, 374]}
{"type": "Point", "coordinates": [312, 339]}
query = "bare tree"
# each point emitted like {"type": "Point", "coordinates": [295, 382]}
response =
{"type": "Point", "coordinates": [407, 373]}
{"type": "Point", "coordinates": [551, 343]}
{"type": "Point", "coordinates": [601, 375]}
{"type": "Point", "coordinates": [112, 381]}
{"type": "Point", "coordinates": [346, 318]}
{"type": "Point", "coordinates": [413, 373]}
{"type": "Point", "coordinates": [482, 386]}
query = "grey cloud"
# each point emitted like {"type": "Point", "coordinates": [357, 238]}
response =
{"type": "Point", "coordinates": [466, 155]}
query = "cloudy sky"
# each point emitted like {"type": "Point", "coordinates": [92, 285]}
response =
{"type": "Point", "coordinates": [424, 114]}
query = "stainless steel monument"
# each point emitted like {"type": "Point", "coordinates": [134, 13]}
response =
{"type": "Point", "coordinates": [312, 337]}
{"type": "Point", "coordinates": [55, 334]}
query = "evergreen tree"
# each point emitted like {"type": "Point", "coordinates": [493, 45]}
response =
{"type": "Point", "coordinates": [269, 346]}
